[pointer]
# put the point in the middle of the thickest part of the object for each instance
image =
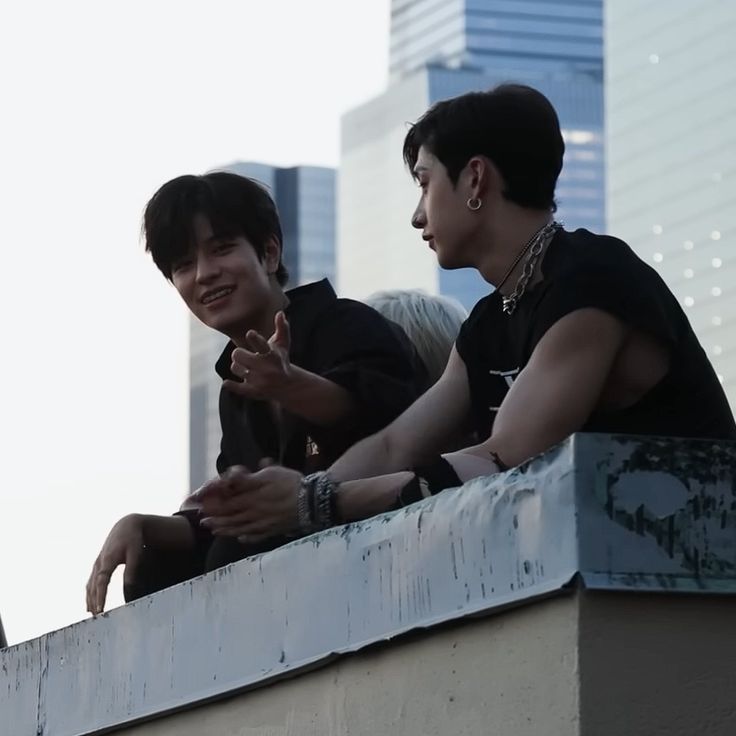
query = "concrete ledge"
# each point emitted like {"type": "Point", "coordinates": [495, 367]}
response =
{"type": "Point", "coordinates": [616, 513]}
{"type": "Point", "coordinates": [584, 664]}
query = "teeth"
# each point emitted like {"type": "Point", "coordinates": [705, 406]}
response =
{"type": "Point", "coordinates": [215, 295]}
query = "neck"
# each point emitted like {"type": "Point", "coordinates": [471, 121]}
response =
{"type": "Point", "coordinates": [263, 321]}
{"type": "Point", "coordinates": [506, 238]}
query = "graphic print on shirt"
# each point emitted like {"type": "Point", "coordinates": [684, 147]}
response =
{"type": "Point", "coordinates": [508, 377]}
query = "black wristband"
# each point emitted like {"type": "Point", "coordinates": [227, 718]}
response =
{"type": "Point", "coordinates": [438, 474]}
{"type": "Point", "coordinates": [428, 479]}
{"type": "Point", "coordinates": [409, 493]}
{"type": "Point", "coordinates": [202, 536]}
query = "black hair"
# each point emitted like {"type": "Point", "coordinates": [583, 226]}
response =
{"type": "Point", "coordinates": [234, 205]}
{"type": "Point", "coordinates": [513, 125]}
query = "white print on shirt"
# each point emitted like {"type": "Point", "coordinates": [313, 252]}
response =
{"type": "Point", "coordinates": [509, 377]}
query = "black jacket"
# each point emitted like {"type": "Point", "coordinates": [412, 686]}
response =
{"type": "Point", "coordinates": [344, 341]}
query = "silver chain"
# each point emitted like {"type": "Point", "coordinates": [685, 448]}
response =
{"type": "Point", "coordinates": [542, 238]}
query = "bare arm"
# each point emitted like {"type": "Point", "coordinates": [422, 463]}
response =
{"type": "Point", "coordinates": [552, 398]}
{"type": "Point", "coordinates": [558, 389]}
{"type": "Point", "coordinates": [426, 428]}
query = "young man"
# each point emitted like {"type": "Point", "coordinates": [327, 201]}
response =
{"type": "Point", "coordinates": [305, 375]}
{"type": "Point", "coordinates": [579, 335]}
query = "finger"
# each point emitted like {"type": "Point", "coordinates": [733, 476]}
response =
{"type": "Point", "coordinates": [100, 585]}
{"type": "Point", "coordinates": [257, 343]}
{"type": "Point", "coordinates": [282, 331]}
{"type": "Point", "coordinates": [266, 462]}
{"type": "Point", "coordinates": [222, 521]}
{"type": "Point", "coordinates": [242, 360]}
{"type": "Point", "coordinates": [213, 488]}
{"type": "Point", "coordinates": [89, 587]}
{"type": "Point", "coordinates": [242, 389]}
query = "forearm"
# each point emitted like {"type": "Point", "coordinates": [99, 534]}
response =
{"type": "Point", "coordinates": [361, 499]}
{"type": "Point", "coordinates": [314, 398]}
{"type": "Point", "coordinates": [373, 456]}
{"type": "Point", "coordinates": [171, 533]}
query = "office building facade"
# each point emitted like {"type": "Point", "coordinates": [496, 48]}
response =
{"type": "Point", "coordinates": [441, 49]}
{"type": "Point", "coordinates": [670, 81]}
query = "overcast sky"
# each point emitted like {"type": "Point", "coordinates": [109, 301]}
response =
{"type": "Point", "coordinates": [101, 104]}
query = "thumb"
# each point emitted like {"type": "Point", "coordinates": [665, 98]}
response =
{"type": "Point", "coordinates": [282, 332]}
{"type": "Point", "coordinates": [266, 462]}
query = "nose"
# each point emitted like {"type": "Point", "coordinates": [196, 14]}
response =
{"type": "Point", "coordinates": [418, 219]}
{"type": "Point", "coordinates": [207, 269]}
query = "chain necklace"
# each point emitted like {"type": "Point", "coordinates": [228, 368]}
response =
{"type": "Point", "coordinates": [532, 250]}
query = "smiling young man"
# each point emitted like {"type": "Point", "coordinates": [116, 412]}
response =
{"type": "Point", "coordinates": [305, 374]}
{"type": "Point", "coordinates": [579, 334]}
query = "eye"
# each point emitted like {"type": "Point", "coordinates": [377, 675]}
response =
{"type": "Point", "coordinates": [181, 265]}
{"type": "Point", "coordinates": [222, 248]}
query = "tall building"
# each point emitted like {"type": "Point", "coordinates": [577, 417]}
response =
{"type": "Point", "coordinates": [305, 197]}
{"type": "Point", "coordinates": [440, 49]}
{"type": "Point", "coordinates": [671, 106]}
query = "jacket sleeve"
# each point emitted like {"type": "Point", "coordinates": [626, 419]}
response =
{"type": "Point", "coordinates": [373, 359]}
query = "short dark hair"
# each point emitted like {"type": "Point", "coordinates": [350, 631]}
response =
{"type": "Point", "coordinates": [513, 125]}
{"type": "Point", "coordinates": [234, 205]}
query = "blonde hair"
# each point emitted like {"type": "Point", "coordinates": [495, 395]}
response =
{"type": "Point", "coordinates": [431, 322]}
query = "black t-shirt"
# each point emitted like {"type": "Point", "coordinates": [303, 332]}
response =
{"type": "Point", "coordinates": [582, 270]}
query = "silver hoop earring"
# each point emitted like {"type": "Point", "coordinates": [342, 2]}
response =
{"type": "Point", "coordinates": [474, 203]}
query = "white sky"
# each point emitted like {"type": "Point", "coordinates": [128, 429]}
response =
{"type": "Point", "coordinates": [100, 104]}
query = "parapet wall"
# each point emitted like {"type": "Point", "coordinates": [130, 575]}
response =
{"type": "Point", "coordinates": [597, 513]}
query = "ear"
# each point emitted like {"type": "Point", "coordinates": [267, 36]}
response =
{"type": "Point", "coordinates": [272, 255]}
{"type": "Point", "coordinates": [481, 177]}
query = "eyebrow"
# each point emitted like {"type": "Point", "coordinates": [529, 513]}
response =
{"type": "Point", "coordinates": [419, 169]}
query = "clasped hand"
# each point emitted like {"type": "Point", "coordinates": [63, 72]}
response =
{"type": "Point", "coordinates": [249, 506]}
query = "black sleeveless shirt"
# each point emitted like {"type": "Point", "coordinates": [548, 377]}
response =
{"type": "Point", "coordinates": [582, 270]}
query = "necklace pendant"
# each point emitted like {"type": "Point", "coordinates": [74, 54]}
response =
{"type": "Point", "coordinates": [509, 304]}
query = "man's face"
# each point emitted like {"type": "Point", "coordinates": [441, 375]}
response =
{"type": "Point", "coordinates": [442, 213]}
{"type": "Point", "coordinates": [222, 281]}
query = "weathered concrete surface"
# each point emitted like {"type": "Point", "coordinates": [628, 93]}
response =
{"type": "Point", "coordinates": [614, 512]}
{"type": "Point", "coordinates": [585, 664]}
{"type": "Point", "coordinates": [657, 664]}
{"type": "Point", "coordinates": [515, 673]}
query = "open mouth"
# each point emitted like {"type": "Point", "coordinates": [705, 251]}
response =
{"type": "Point", "coordinates": [214, 295]}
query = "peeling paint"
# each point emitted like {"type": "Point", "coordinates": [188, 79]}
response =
{"type": "Point", "coordinates": [614, 512]}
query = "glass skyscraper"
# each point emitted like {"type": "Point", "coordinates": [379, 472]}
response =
{"type": "Point", "coordinates": [440, 49]}
{"type": "Point", "coordinates": [671, 106]}
{"type": "Point", "coordinates": [305, 197]}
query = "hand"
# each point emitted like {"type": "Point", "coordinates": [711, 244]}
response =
{"type": "Point", "coordinates": [260, 505]}
{"type": "Point", "coordinates": [124, 545]}
{"type": "Point", "coordinates": [265, 368]}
